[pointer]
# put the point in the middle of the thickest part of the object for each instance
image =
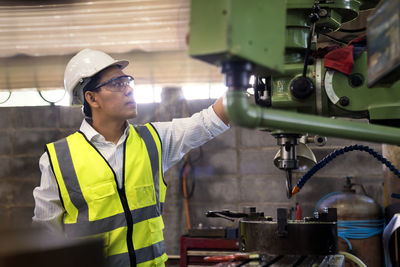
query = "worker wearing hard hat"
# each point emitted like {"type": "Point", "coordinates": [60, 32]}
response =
{"type": "Point", "coordinates": [107, 178]}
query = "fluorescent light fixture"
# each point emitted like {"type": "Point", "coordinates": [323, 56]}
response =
{"type": "Point", "coordinates": [30, 97]}
{"type": "Point", "coordinates": [60, 96]}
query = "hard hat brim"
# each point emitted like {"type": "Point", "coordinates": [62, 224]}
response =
{"type": "Point", "coordinates": [122, 63]}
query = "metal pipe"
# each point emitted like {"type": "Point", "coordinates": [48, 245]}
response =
{"type": "Point", "coordinates": [243, 113]}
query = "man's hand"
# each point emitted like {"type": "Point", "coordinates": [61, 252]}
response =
{"type": "Point", "coordinates": [220, 111]}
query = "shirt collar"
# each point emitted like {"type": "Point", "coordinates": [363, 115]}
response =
{"type": "Point", "coordinates": [93, 136]}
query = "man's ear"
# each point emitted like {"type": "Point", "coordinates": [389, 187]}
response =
{"type": "Point", "coordinates": [91, 98]}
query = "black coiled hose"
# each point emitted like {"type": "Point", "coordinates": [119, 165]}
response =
{"type": "Point", "coordinates": [339, 152]}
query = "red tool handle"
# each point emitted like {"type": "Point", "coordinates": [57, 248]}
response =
{"type": "Point", "coordinates": [234, 257]}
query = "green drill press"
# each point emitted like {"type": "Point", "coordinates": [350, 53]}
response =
{"type": "Point", "coordinates": [295, 94]}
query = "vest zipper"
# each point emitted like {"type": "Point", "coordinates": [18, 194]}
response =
{"type": "Point", "coordinates": [128, 214]}
{"type": "Point", "coordinates": [129, 219]}
{"type": "Point", "coordinates": [124, 202]}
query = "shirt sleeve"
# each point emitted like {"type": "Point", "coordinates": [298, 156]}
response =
{"type": "Point", "coordinates": [48, 208]}
{"type": "Point", "coordinates": [179, 136]}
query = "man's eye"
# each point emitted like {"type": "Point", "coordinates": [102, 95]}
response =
{"type": "Point", "coordinates": [117, 84]}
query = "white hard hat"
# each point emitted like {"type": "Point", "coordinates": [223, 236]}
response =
{"type": "Point", "coordinates": [83, 65]}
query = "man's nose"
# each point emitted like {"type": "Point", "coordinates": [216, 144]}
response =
{"type": "Point", "coordinates": [128, 90]}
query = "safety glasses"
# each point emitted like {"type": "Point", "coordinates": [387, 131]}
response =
{"type": "Point", "coordinates": [117, 84]}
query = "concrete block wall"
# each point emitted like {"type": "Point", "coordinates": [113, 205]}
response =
{"type": "Point", "coordinates": [23, 134]}
{"type": "Point", "coordinates": [232, 171]}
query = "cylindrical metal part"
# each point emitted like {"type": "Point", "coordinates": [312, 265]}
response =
{"type": "Point", "coordinates": [317, 140]}
{"type": "Point", "coordinates": [288, 152]}
{"type": "Point", "coordinates": [237, 74]}
{"type": "Point", "coordinates": [242, 113]}
{"type": "Point", "coordinates": [355, 207]}
{"type": "Point", "coordinates": [287, 159]}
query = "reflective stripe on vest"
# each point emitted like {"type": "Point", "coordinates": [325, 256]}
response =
{"type": "Point", "coordinates": [153, 154]}
{"type": "Point", "coordinates": [83, 226]}
{"type": "Point", "coordinates": [110, 223]}
{"type": "Point", "coordinates": [69, 175]}
{"type": "Point", "coordinates": [142, 255]}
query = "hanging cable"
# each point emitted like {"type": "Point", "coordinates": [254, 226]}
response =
{"type": "Point", "coordinates": [48, 101]}
{"type": "Point", "coordinates": [8, 97]}
{"type": "Point", "coordinates": [361, 229]}
{"type": "Point", "coordinates": [186, 173]}
{"type": "Point", "coordinates": [339, 152]}
{"type": "Point", "coordinates": [185, 196]}
{"type": "Point", "coordinates": [325, 197]}
{"type": "Point", "coordinates": [183, 175]}
{"type": "Point", "coordinates": [355, 229]}
{"type": "Point", "coordinates": [8, 85]}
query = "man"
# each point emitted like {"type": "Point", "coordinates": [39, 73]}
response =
{"type": "Point", "coordinates": [107, 179]}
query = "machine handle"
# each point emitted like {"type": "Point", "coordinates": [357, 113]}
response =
{"type": "Point", "coordinates": [226, 214]}
{"type": "Point", "coordinates": [225, 258]}
{"type": "Point", "coordinates": [233, 257]}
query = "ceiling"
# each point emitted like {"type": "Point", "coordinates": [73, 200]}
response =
{"type": "Point", "coordinates": [42, 28]}
{"type": "Point", "coordinates": [37, 38]}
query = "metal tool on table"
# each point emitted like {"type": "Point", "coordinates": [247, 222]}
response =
{"type": "Point", "coordinates": [295, 95]}
{"type": "Point", "coordinates": [283, 241]}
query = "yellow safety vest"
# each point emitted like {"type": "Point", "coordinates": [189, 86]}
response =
{"type": "Point", "coordinates": [128, 219]}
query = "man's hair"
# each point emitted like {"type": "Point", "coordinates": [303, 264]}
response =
{"type": "Point", "coordinates": [90, 87]}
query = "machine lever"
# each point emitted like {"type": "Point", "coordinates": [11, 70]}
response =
{"type": "Point", "coordinates": [289, 183]}
{"type": "Point", "coordinates": [226, 214]}
{"type": "Point", "coordinates": [233, 257]}
{"type": "Point", "coordinates": [314, 18]}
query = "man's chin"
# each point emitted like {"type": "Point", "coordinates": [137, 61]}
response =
{"type": "Point", "coordinates": [133, 114]}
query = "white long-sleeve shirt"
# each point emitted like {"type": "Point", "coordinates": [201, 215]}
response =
{"type": "Point", "coordinates": [178, 137]}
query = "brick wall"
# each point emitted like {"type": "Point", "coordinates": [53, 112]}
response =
{"type": "Point", "coordinates": [234, 170]}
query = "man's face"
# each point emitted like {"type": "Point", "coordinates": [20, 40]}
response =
{"type": "Point", "coordinates": [119, 105]}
